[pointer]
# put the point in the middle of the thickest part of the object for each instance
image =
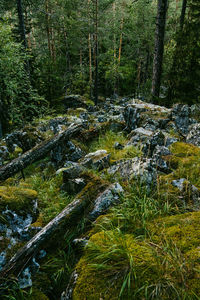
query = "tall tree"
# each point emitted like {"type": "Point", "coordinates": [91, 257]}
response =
{"type": "Point", "coordinates": [159, 47]}
{"type": "Point", "coordinates": [183, 11]}
{"type": "Point", "coordinates": [96, 54]}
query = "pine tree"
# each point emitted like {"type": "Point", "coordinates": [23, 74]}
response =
{"type": "Point", "coordinates": [184, 77]}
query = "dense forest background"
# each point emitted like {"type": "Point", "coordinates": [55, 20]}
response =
{"type": "Point", "coordinates": [52, 48]}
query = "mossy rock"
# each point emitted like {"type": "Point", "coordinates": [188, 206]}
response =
{"type": "Point", "coordinates": [185, 162]}
{"type": "Point", "coordinates": [166, 265]}
{"type": "Point", "coordinates": [17, 199]}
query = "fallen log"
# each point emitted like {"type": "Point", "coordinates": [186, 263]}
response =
{"type": "Point", "coordinates": [72, 214]}
{"type": "Point", "coordinates": [36, 153]}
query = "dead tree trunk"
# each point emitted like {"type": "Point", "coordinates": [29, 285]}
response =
{"type": "Point", "coordinates": [36, 153]}
{"type": "Point", "coordinates": [24, 255]}
{"type": "Point", "coordinates": [69, 217]}
{"type": "Point", "coordinates": [159, 47]}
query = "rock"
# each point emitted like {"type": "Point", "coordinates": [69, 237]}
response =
{"type": "Point", "coordinates": [67, 295]}
{"type": "Point", "coordinates": [24, 279]}
{"type": "Point", "coordinates": [73, 186]}
{"type": "Point", "coordinates": [158, 154]}
{"type": "Point", "coordinates": [56, 125]}
{"type": "Point", "coordinates": [136, 168]}
{"type": "Point", "coordinates": [157, 139]}
{"type": "Point", "coordinates": [132, 116]}
{"type": "Point", "coordinates": [97, 160]}
{"type": "Point", "coordinates": [170, 140]}
{"type": "Point", "coordinates": [109, 197]}
{"type": "Point", "coordinates": [71, 170]}
{"type": "Point", "coordinates": [74, 153]}
{"type": "Point", "coordinates": [25, 139]}
{"type": "Point", "coordinates": [118, 146]}
{"type": "Point", "coordinates": [151, 124]}
{"type": "Point", "coordinates": [102, 119]}
{"type": "Point", "coordinates": [181, 117]}
{"type": "Point", "coordinates": [4, 154]}
{"type": "Point", "coordinates": [74, 101]}
{"type": "Point", "coordinates": [189, 191]}
{"type": "Point", "coordinates": [193, 136]}
{"type": "Point", "coordinates": [66, 152]}
{"type": "Point", "coordinates": [139, 136]}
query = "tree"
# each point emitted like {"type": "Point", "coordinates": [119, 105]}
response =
{"type": "Point", "coordinates": [159, 47]}
{"type": "Point", "coordinates": [184, 76]}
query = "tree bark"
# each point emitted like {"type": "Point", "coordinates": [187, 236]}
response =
{"type": "Point", "coordinates": [159, 47]}
{"type": "Point", "coordinates": [36, 153]}
{"type": "Point", "coordinates": [24, 255]}
{"type": "Point", "coordinates": [22, 29]}
{"type": "Point", "coordinates": [183, 11]}
{"type": "Point", "coordinates": [96, 54]}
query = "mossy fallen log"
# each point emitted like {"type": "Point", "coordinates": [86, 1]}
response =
{"type": "Point", "coordinates": [82, 206]}
{"type": "Point", "coordinates": [36, 153]}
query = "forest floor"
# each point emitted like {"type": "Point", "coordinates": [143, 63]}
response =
{"type": "Point", "coordinates": [110, 211]}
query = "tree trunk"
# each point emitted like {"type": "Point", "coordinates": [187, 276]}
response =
{"type": "Point", "coordinates": [96, 54]}
{"type": "Point", "coordinates": [48, 28]}
{"type": "Point", "coordinates": [121, 40]}
{"type": "Point", "coordinates": [36, 153]}
{"type": "Point", "coordinates": [25, 254]}
{"type": "Point", "coordinates": [22, 29]}
{"type": "Point", "coordinates": [159, 47]}
{"type": "Point", "coordinates": [183, 11]}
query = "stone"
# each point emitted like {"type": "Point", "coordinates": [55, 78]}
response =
{"type": "Point", "coordinates": [181, 117]}
{"type": "Point", "coordinates": [158, 154]}
{"type": "Point", "coordinates": [132, 116]}
{"type": "Point", "coordinates": [73, 186]}
{"type": "Point", "coordinates": [193, 136]}
{"type": "Point", "coordinates": [4, 154]}
{"type": "Point", "coordinates": [109, 197]}
{"type": "Point", "coordinates": [96, 160]}
{"type": "Point", "coordinates": [139, 136]}
{"type": "Point", "coordinates": [118, 146]}
{"type": "Point", "coordinates": [71, 170]}
{"type": "Point", "coordinates": [74, 101]}
{"type": "Point", "coordinates": [143, 169]}
{"type": "Point", "coordinates": [188, 190]}
{"type": "Point", "coordinates": [24, 139]}
{"type": "Point", "coordinates": [157, 139]}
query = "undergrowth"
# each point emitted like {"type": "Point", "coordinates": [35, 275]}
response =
{"type": "Point", "coordinates": [107, 140]}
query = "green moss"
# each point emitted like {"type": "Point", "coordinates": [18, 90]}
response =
{"type": "Point", "coordinates": [51, 200]}
{"type": "Point", "coordinates": [107, 140]}
{"type": "Point", "coordinates": [38, 295]}
{"type": "Point", "coordinates": [18, 199]}
{"type": "Point", "coordinates": [116, 258]}
{"type": "Point", "coordinates": [166, 264]}
{"type": "Point", "coordinates": [185, 163]}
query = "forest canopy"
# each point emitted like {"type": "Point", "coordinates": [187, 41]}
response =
{"type": "Point", "coordinates": [96, 48]}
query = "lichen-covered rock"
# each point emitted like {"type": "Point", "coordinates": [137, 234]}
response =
{"type": "Point", "coordinates": [188, 190]}
{"type": "Point", "coordinates": [25, 139]}
{"type": "Point", "coordinates": [181, 115]}
{"type": "Point", "coordinates": [142, 169]}
{"type": "Point", "coordinates": [74, 101]}
{"type": "Point", "coordinates": [139, 136]}
{"type": "Point", "coordinates": [132, 116]}
{"type": "Point", "coordinates": [66, 152]}
{"type": "Point", "coordinates": [157, 139]}
{"type": "Point", "coordinates": [109, 197]}
{"type": "Point", "coordinates": [158, 154]}
{"type": "Point", "coordinates": [73, 186]}
{"type": "Point", "coordinates": [96, 160]}
{"type": "Point", "coordinates": [193, 136]}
